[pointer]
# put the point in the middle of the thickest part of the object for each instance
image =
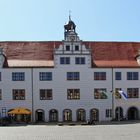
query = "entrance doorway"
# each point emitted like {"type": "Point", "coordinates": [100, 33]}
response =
{"type": "Point", "coordinates": [81, 115]}
{"type": "Point", "coordinates": [133, 113]}
{"type": "Point", "coordinates": [53, 115]}
{"type": "Point", "coordinates": [94, 114]}
{"type": "Point", "coordinates": [40, 115]}
{"type": "Point", "coordinates": [118, 113]}
{"type": "Point", "coordinates": [67, 115]}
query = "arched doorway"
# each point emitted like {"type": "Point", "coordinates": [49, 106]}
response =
{"type": "Point", "coordinates": [67, 115]}
{"type": "Point", "coordinates": [132, 113]}
{"type": "Point", "coordinates": [94, 114]}
{"type": "Point", "coordinates": [81, 115]}
{"type": "Point", "coordinates": [53, 115]}
{"type": "Point", "coordinates": [118, 113]}
{"type": "Point", "coordinates": [40, 117]}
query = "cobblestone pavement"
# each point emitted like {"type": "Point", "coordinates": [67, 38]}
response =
{"type": "Point", "coordinates": [77, 132]}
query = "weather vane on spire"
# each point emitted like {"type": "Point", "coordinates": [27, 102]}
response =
{"type": "Point", "coordinates": [69, 15]}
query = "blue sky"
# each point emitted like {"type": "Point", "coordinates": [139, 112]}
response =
{"type": "Point", "coordinates": [43, 20]}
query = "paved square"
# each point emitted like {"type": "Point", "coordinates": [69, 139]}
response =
{"type": "Point", "coordinates": [77, 132]}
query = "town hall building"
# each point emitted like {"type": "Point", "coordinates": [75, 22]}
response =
{"type": "Point", "coordinates": [69, 80]}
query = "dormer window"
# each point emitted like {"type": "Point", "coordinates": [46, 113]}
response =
{"type": "Point", "coordinates": [67, 48]}
{"type": "Point", "coordinates": [76, 48]}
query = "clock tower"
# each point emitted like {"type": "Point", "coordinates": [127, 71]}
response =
{"type": "Point", "coordinates": [72, 52]}
{"type": "Point", "coordinates": [70, 31]}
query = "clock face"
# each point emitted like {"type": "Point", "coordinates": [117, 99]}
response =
{"type": "Point", "coordinates": [72, 38]}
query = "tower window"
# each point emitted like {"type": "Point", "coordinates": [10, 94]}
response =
{"type": "Point", "coordinates": [76, 48]}
{"type": "Point", "coordinates": [67, 48]}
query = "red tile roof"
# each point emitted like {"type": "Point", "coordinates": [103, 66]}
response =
{"type": "Point", "coordinates": [104, 54]}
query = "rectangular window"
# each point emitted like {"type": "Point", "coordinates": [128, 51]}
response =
{"type": "Point", "coordinates": [80, 60]}
{"type": "Point", "coordinates": [18, 94]}
{"type": "Point", "coordinates": [45, 94]}
{"type": "Point", "coordinates": [45, 76]}
{"type": "Point", "coordinates": [117, 94]}
{"type": "Point", "coordinates": [117, 75]}
{"type": "Point", "coordinates": [64, 60]}
{"type": "Point", "coordinates": [76, 48]}
{"type": "Point", "coordinates": [73, 76]}
{"type": "Point", "coordinates": [132, 75]}
{"type": "Point", "coordinates": [133, 93]}
{"type": "Point", "coordinates": [100, 93]}
{"type": "Point", "coordinates": [67, 48]}
{"type": "Point", "coordinates": [99, 75]}
{"type": "Point", "coordinates": [0, 94]}
{"type": "Point", "coordinates": [108, 113]}
{"type": "Point", "coordinates": [73, 94]}
{"type": "Point", "coordinates": [18, 76]}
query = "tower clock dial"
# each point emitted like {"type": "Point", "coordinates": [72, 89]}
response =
{"type": "Point", "coordinates": [72, 38]}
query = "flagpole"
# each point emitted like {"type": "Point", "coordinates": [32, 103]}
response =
{"type": "Point", "coordinates": [112, 105]}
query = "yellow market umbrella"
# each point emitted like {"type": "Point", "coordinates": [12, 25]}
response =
{"type": "Point", "coordinates": [20, 111]}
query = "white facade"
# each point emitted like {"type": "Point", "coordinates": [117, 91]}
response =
{"type": "Point", "coordinates": [60, 84]}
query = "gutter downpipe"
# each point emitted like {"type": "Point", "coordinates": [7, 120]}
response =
{"type": "Point", "coordinates": [112, 92]}
{"type": "Point", "coordinates": [32, 95]}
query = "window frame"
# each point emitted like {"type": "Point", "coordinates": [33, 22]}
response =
{"type": "Point", "coordinates": [48, 94]}
{"type": "Point", "coordinates": [18, 76]}
{"type": "Point", "coordinates": [45, 76]}
{"type": "Point", "coordinates": [80, 60]}
{"type": "Point", "coordinates": [74, 95]}
{"type": "Point", "coordinates": [99, 93]}
{"type": "Point", "coordinates": [132, 75]}
{"type": "Point", "coordinates": [118, 76]}
{"type": "Point", "coordinates": [20, 93]}
{"type": "Point", "coordinates": [100, 76]}
{"type": "Point", "coordinates": [67, 47]}
{"type": "Point", "coordinates": [132, 93]}
{"type": "Point", "coordinates": [117, 94]}
{"type": "Point", "coordinates": [108, 113]}
{"type": "Point", "coordinates": [72, 76]}
{"type": "Point", "coordinates": [77, 48]}
{"type": "Point", "coordinates": [64, 60]}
